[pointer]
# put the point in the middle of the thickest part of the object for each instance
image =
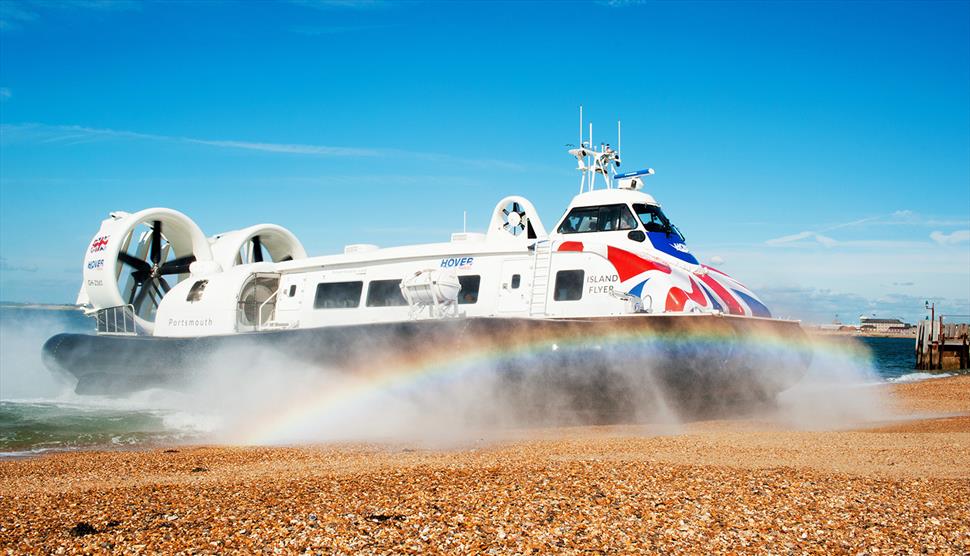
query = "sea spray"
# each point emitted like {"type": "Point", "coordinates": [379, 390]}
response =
{"type": "Point", "coordinates": [40, 412]}
{"type": "Point", "coordinates": [837, 392]}
{"type": "Point", "coordinates": [263, 396]}
{"type": "Point", "coordinates": [22, 333]}
{"type": "Point", "coordinates": [259, 395]}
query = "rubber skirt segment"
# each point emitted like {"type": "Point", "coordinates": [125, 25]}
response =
{"type": "Point", "coordinates": [683, 353]}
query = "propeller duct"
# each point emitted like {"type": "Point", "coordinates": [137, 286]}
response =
{"type": "Point", "coordinates": [136, 259]}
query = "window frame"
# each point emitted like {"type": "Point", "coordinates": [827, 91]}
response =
{"type": "Point", "coordinates": [370, 289]}
{"type": "Point", "coordinates": [671, 229]}
{"type": "Point", "coordinates": [599, 212]}
{"type": "Point", "coordinates": [582, 284]}
{"type": "Point", "coordinates": [477, 279]}
{"type": "Point", "coordinates": [317, 294]}
{"type": "Point", "coordinates": [197, 291]}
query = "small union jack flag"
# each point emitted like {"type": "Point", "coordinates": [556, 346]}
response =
{"type": "Point", "coordinates": [99, 244]}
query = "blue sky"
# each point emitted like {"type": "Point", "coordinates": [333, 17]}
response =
{"type": "Point", "coordinates": [818, 151]}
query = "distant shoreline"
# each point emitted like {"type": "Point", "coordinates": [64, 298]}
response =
{"type": "Point", "coordinates": [857, 334]}
{"type": "Point", "coordinates": [40, 306]}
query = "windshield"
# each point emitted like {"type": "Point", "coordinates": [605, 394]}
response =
{"type": "Point", "coordinates": [654, 220]}
{"type": "Point", "coordinates": [607, 218]}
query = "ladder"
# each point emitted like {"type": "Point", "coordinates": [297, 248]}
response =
{"type": "Point", "coordinates": [541, 268]}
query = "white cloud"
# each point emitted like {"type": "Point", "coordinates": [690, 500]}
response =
{"type": "Point", "coordinates": [717, 260]}
{"type": "Point", "coordinates": [790, 238]}
{"type": "Point", "coordinates": [72, 135]}
{"type": "Point", "coordinates": [952, 238]}
{"type": "Point", "coordinates": [314, 150]}
{"type": "Point", "coordinates": [5, 93]}
{"type": "Point", "coordinates": [799, 238]}
{"type": "Point", "coordinates": [897, 219]}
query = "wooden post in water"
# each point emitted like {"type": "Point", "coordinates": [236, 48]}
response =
{"type": "Point", "coordinates": [942, 347]}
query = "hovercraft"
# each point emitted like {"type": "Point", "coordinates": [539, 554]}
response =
{"type": "Point", "coordinates": [613, 283]}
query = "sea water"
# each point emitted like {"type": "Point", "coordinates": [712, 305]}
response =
{"type": "Point", "coordinates": [39, 412]}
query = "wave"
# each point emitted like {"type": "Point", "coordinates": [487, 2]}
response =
{"type": "Point", "coordinates": [916, 377]}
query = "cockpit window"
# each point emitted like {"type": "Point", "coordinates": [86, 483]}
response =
{"type": "Point", "coordinates": [607, 218]}
{"type": "Point", "coordinates": [654, 220]}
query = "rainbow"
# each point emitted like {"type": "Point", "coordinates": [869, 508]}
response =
{"type": "Point", "coordinates": [430, 366]}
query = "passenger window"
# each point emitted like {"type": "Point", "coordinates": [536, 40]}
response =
{"type": "Point", "coordinates": [469, 289]}
{"type": "Point", "coordinates": [338, 295]}
{"type": "Point", "coordinates": [195, 292]}
{"type": "Point", "coordinates": [292, 290]}
{"type": "Point", "coordinates": [516, 280]}
{"type": "Point", "coordinates": [385, 293]}
{"type": "Point", "coordinates": [607, 218]}
{"type": "Point", "coordinates": [569, 285]}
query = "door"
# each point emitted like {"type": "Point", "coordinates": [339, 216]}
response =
{"type": "Point", "coordinates": [512, 296]}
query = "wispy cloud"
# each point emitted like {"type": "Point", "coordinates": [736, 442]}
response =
{"type": "Point", "coordinates": [103, 5]}
{"type": "Point", "coordinates": [897, 218]}
{"type": "Point", "coordinates": [73, 135]}
{"type": "Point", "coordinates": [322, 30]}
{"type": "Point", "coordinates": [5, 93]}
{"type": "Point", "coordinates": [15, 14]}
{"type": "Point", "coordinates": [808, 239]}
{"type": "Point", "coordinates": [342, 4]}
{"type": "Point", "coordinates": [952, 238]}
{"type": "Point", "coordinates": [312, 150]}
{"type": "Point", "coordinates": [5, 266]}
{"type": "Point", "coordinates": [621, 3]}
{"type": "Point", "coordinates": [800, 237]}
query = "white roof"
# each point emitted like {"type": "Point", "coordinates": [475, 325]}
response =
{"type": "Point", "coordinates": [611, 196]}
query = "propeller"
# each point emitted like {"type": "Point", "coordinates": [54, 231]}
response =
{"type": "Point", "coordinates": [257, 250]}
{"type": "Point", "coordinates": [515, 219]}
{"type": "Point", "coordinates": [148, 275]}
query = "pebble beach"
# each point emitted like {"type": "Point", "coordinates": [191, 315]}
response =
{"type": "Point", "coordinates": [713, 487]}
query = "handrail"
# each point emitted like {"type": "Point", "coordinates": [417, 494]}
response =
{"type": "Point", "coordinates": [106, 321]}
{"type": "Point", "coordinates": [259, 314]}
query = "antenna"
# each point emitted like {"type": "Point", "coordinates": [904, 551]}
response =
{"type": "Point", "coordinates": [619, 144]}
{"type": "Point", "coordinates": [580, 126]}
{"type": "Point", "coordinates": [464, 221]}
{"type": "Point", "coordinates": [591, 170]}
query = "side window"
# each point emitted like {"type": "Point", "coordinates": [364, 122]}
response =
{"type": "Point", "coordinates": [292, 290]}
{"type": "Point", "coordinates": [338, 295]}
{"type": "Point", "coordinates": [580, 220]}
{"type": "Point", "coordinates": [616, 217]}
{"type": "Point", "coordinates": [195, 292]}
{"type": "Point", "coordinates": [385, 293]}
{"type": "Point", "coordinates": [516, 280]}
{"type": "Point", "coordinates": [569, 285]}
{"type": "Point", "coordinates": [607, 218]}
{"type": "Point", "coordinates": [469, 289]}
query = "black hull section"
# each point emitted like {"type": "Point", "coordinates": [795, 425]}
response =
{"type": "Point", "coordinates": [596, 361]}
